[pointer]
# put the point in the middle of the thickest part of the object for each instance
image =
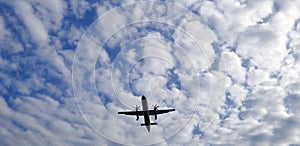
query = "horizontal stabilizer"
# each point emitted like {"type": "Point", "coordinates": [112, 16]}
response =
{"type": "Point", "coordinates": [150, 124]}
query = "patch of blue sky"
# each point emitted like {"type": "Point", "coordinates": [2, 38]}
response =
{"type": "Point", "coordinates": [113, 3]}
{"type": "Point", "coordinates": [112, 52]}
{"type": "Point", "coordinates": [241, 116]}
{"type": "Point", "coordinates": [246, 63]}
{"type": "Point", "coordinates": [228, 101]}
{"type": "Point", "coordinates": [15, 26]}
{"type": "Point", "coordinates": [23, 72]}
{"type": "Point", "coordinates": [265, 19]}
{"type": "Point", "coordinates": [173, 79]}
{"type": "Point", "coordinates": [247, 103]}
{"type": "Point", "coordinates": [52, 76]}
{"type": "Point", "coordinates": [64, 40]}
{"type": "Point", "coordinates": [218, 46]}
{"type": "Point", "coordinates": [215, 64]}
{"type": "Point", "coordinates": [276, 75]}
{"type": "Point", "coordinates": [89, 16]}
{"type": "Point", "coordinates": [224, 116]}
{"type": "Point", "coordinates": [132, 88]}
{"type": "Point", "coordinates": [28, 67]}
{"type": "Point", "coordinates": [18, 125]}
{"type": "Point", "coordinates": [10, 99]}
{"type": "Point", "coordinates": [233, 48]}
{"type": "Point", "coordinates": [228, 104]}
{"type": "Point", "coordinates": [70, 20]}
{"type": "Point", "coordinates": [197, 131]}
{"type": "Point", "coordinates": [104, 98]}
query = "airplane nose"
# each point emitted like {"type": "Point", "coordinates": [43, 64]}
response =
{"type": "Point", "coordinates": [143, 97]}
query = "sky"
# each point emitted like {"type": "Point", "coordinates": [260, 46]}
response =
{"type": "Point", "coordinates": [230, 68]}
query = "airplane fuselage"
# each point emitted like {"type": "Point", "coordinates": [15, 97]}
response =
{"type": "Point", "coordinates": [146, 114]}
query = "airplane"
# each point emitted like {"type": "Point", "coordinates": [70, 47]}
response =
{"type": "Point", "coordinates": [146, 112]}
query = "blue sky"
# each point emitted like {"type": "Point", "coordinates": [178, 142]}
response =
{"type": "Point", "coordinates": [230, 68]}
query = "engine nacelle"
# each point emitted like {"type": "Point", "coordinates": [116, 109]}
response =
{"type": "Point", "coordinates": [137, 116]}
{"type": "Point", "coordinates": [137, 107]}
{"type": "Point", "coordinates": [155, 114]}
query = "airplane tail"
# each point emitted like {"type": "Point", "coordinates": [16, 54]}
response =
{"type": "Point", "coordinates": [150, 124]}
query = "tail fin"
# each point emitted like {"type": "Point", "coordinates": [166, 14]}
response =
{"type": "Point", "coordinates": [150, 124]}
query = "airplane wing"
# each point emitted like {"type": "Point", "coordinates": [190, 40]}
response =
{"type": "Point", "coordinates": [132, 113]}
{"type": "Point", "coordinates": [152, 112]}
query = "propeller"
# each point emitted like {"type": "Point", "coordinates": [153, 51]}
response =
{"type": "Point", "coordinates": [155, 106]}
{"type": "Point", "coordinates": [137, 107]}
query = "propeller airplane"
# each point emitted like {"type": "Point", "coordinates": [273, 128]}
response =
{"type": "Point", "coordinates": [146, 113]}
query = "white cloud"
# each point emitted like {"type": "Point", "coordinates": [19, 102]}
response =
{"type": "Point", "coordinates": [50, 13]}
{"type": "Point", "coordinates": [197, 47]}
{"type": "Point", "coordinates": [228, 18]}
{"type": "Point", "coordinates": [234, 67]}
{"type": "Point", "coordinates": [34, 25]}
{"type": "Point", "coordinates": [159, 57]}
{"type": "Point", "coordinates": [33, 119]}
{"type": "Point", "coordinates": [264, 47]}
{"type": "Point", "coordinates": [284, 19]}
{"type": "Point", "coordinates": [79, 7]}
{"type": "Point", "coordinates": [265, 88]}
{"type": "Point", "coordinates": [3, 31]}
{"type": "Point", "coordinates": [238, 94]}
{"type": "Point", "coordinates": [7, 40]}
{"type": "Point", "coordinates": [257, 77]}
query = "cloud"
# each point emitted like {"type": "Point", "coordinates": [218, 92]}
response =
{"type": "Point", "coordinates": [233, 65]}
{"type": "Point", "coordinates": [7, 40]}
{"type": "Point", "coordinates": [2, 29]}
{"type": "Point", "coordinates": [79, 8]}
{"type": "Point", "coordinates": [41, 120]}
{"type": "Point", "coordinates": [256, 44]}
{"type": "Point", "coordinates": [34, 25]}
{"type": "Point", "coordinates": [153, 61]}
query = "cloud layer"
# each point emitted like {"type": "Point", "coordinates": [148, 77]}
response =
{"type": "Point", "coordinates": [230, 68]}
